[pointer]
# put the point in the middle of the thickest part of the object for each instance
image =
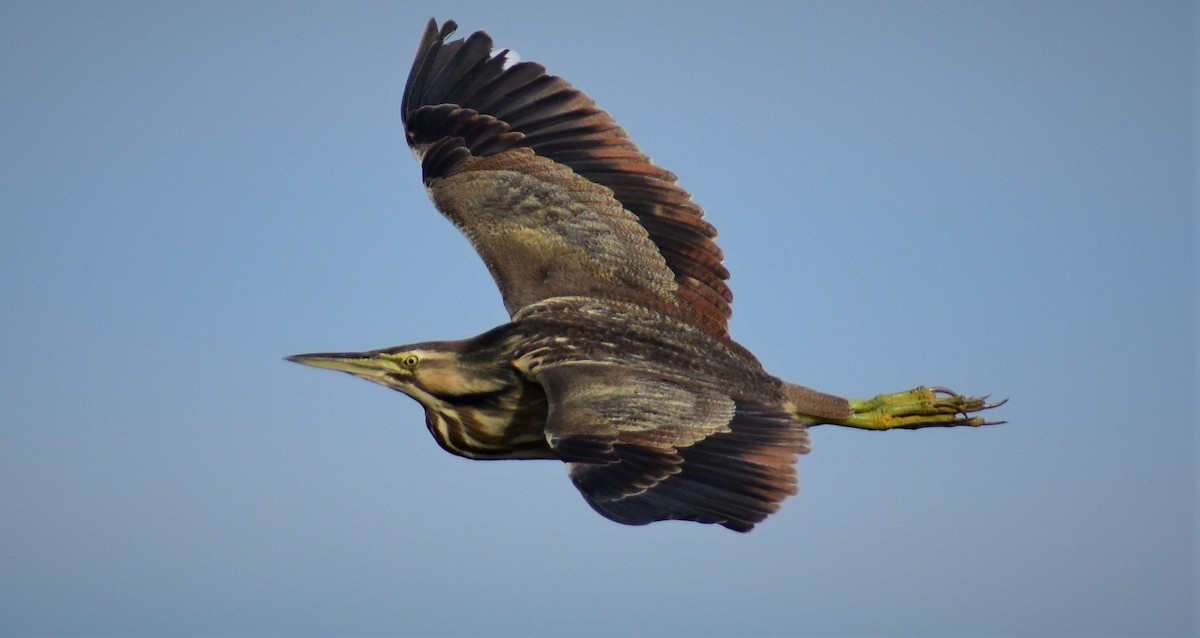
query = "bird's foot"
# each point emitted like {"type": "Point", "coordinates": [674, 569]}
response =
{"type": "Point", "coordinates": [918, 408]}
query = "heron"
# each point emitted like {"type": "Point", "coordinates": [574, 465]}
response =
{"type": "Point", "coordinates": [617, 359]}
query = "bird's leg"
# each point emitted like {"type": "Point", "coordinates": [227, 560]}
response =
{"type": "Point", "coordinates": [918, 408]}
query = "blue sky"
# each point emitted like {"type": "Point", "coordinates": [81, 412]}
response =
{"type": "Point", "coordinates": [998, 197]}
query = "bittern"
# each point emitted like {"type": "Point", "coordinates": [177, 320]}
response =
{"type": "Point", "coordinates": [617, 359]}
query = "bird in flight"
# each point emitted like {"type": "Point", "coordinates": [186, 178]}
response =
{"type": "Point", "coordinates": [617, 360]}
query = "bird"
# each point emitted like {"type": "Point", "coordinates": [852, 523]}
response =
{"type": "Point", "coordinates": [617, 359]}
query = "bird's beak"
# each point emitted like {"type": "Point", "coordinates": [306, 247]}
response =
{"type": "Point", "coordinates": [366, 365]}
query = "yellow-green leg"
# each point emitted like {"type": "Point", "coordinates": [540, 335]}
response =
{"type": "Point", "coordinates": [918, 408]}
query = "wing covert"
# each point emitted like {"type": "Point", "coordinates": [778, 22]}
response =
{"type": "Point", "coordinates": [545, 232]}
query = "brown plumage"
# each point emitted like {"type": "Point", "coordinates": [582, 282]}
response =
{"type": "Point", "coordinates": [618, 359]}
{"type": "Point", "coordinates": [461, 102]}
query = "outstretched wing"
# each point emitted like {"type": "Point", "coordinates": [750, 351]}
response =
{"type": "Point", "coordinates": [532, 172]}
{"type": "Point", "coordinates": [645, 447]}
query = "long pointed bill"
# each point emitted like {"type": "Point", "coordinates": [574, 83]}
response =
{"type": "Point", "coordinates": [366, 365]}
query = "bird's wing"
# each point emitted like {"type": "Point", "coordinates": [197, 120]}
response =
{"type": "Point", "coordinates": [498, 137]}
{"type": "Point", "coordinates": [644, 447]}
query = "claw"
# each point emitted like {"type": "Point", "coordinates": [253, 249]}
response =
{"type": "Point", "coordinates": [922, 407]}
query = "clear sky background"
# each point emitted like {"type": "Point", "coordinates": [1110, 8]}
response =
{"type": "Point", "coordinates": [995, 196]}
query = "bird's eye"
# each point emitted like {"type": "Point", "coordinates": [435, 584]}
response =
{"type": "Point", "coordinates": [410, 361]}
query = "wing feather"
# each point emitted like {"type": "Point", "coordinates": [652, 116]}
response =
{"type": "Point", "coordinates": [643, 447]}
{"type": "Point", "coordinates": [545, 232]}
{"type": "Point", "coordinates": [460, 89]}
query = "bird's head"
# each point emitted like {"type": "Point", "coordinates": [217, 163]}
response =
{"type": "Point", "coordinates": [433, 373]}
{"type": "Point", "coordinates": [475, 404]}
